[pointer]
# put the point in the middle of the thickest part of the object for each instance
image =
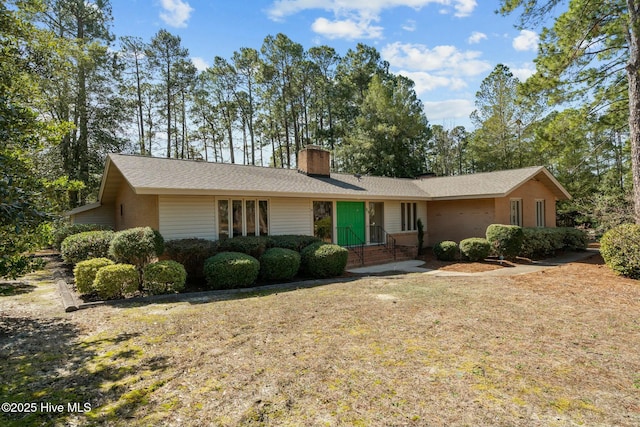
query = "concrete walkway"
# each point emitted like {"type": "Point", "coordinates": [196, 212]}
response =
{"type": "Point", "coordinates": [414, 266]}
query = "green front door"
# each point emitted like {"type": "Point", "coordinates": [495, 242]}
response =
{"type": "Point", "coordinates": [350, 215]}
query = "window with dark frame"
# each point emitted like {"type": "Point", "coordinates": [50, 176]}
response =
{"type": "Point", "coordinates": [409, 216]}
{"type": "Point", "coordinates": [242, 217]}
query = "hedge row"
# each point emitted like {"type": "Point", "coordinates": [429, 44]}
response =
{"type": "Point", "coordinates": [228, 270]}
{"type": "Point", "coordinates": [110, 280]}
{"type": "Point", "coordinates": [193, 252]}
{"type": "Point", "coordinates": [137, 246]}
{"type": "Point", "coordinates": [509, 241]}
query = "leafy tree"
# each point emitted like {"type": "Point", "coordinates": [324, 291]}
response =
{"type": "Point", "coordinates": [282, 58]}
{"type": "Point", "coordinates": [503, 119]}
{"type": "Point", "coordinates": [133, 50]}
{"type": "Point", "coordinates": [590, 53]}
{"type": "Point", "coordinates": [247, 64]}
{"type": "Point", "coordinates": [78, 83]}
{"type": "Point", "coordinates": [23, 134]}
{"type": "Point", "coordinates": [446, 149]}
{"type": "Point", "coordinates": [219, 83]}
{"type": "Point", "coordinates": [164, 52]}
{"type": "Point", "coordinates": [391, 132]}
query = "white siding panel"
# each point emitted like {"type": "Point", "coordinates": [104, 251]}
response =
{"type": "Point", "coordinates": [182, 217]}
{"type": "Point", "coordinates": [290, 216]}
{"type": "Point", "coordinates": [393, 222]}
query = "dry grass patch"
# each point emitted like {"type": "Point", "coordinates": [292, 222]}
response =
{"type": "Point", "coordinates": [552, 348]}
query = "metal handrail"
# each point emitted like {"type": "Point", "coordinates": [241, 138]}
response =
{"type": "Point", "coordinates": [380, 236]}
{"type": "Point", "coordinates": [351, 241]}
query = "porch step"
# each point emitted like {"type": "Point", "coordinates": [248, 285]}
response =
{"type": "Point", "coordinates": [375, 255]}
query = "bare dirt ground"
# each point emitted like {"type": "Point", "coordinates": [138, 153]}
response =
{"type": "Point", "coordinates": [554, 348]}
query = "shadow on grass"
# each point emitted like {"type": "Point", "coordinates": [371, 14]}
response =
{"type": "Point", "coordinates": [14, 287]}
{"type": "Point", "coordinates": [45, 365]}
{"type": "Point", "coordinates": [229, 294]}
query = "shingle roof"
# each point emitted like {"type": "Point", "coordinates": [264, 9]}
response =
{"type": "Point", "coordinates": [150, 175]}
{"type": "Point", "coordinates": [489, 184]}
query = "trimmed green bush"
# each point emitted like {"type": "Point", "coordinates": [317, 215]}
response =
{"type": "Point", "coordinates": [229, 270]}
{"type": "Point", "coordinates": [505, 240]}
{"type": "Point", "coordinates": [324, 260]}
{"type": "Point", "coordinates": [279, 264]}
{"type": "Point", "coordinates": [116, 281]}
{"type": "Point", "coordinates": [620, 249]}
{"type": "Point", "coordinates": [164, 277]}
{"type": "Point", "coordinates": [541, 242]}
{"type": "Point", "coordinates": [85, 273]}
{"type": "Point", "coordinates": [250, 245]}
{"type": "Point", "coordinates": [575, 239]}
{"type": "Point", "coordinates": [295, 242]}
{"type": "Point", "coordinates": [137, 246]}
{"type": "Point", "coordinates": [475, 248]}
{"type": "Point", "coordinates": [446, 250]}
{"type": "Point", "coordinates": [86, 245]}
{"type": "Point", "coordinates": [66, 230]}
{"type": "Point", "coordinates": [191, 253]}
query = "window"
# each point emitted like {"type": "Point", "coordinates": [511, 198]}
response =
{"type": "Point", "coordinates": [409, 216]}
{"type": "Point", "coordinates": [323, 220]}
{"type": "Point", "coordinates": [516, 212]}
{"type": "Point", "coordinates": [241, 218]}
{"type": "Point", "coordinates": [223, 219]}
{"type": "Point", "coordinates": [263, 217]}
{"type": "Point", "coordinates": [540, 220]}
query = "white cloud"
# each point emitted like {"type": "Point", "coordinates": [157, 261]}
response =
{"type": "Point", "coordinates": [410, 25]}
{"type": "Point", "coordinates": [199, 63]}
{"type": "Point", "coordinates": [476, 37]}
{"type": "Point", "coordinates": [176, 12]}
{"type": "Point", "coordinates": [346, 29]}
{"type": "Point", "coordinates": [527, 40]}
{"type": "Point", "coordinates": [443, 59]}
{"type": "Point", "coordinates": [355, 16]}
{"type": "Point", "coordinates": [524, 72]}
{"type": "Point", "coordinates": [425, 82]}
{"type": "Point", "coordinates": [450, 109]}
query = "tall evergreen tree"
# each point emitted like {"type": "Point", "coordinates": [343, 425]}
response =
{"type": "Point", "coordinates": [391, 133]}
{"type": "Point", "coordinates": [590, 53]}
{"type": "Point", "coordinates": [164, 52]}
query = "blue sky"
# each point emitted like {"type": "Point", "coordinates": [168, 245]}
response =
{"type": "Point", "coordinates": [447, 47]}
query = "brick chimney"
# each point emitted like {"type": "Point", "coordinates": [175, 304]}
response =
{"type": "Point", "coordinates": [314, 161]}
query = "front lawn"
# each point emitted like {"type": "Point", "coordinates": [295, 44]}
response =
{"type": "Point", "coordinates": [559, 347]}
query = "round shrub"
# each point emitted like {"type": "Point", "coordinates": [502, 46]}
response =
{"type": "Point", "coordinates": [250, 245]}
{"type": "Point", "coordinates": [575, 239]}
{"type": "Point", "coordinates": [541, 242]}
{"type": "Point", "coordinates": [164, 277]}
{"type": "Point", "coordinates": [229, 270]}
{"type": "Point", "coordinates": [115, 281]}
{"type": "Point", "coordinates": [191, 253]}
{"type": "Point", "coordinates": [279, 264]}
{"type": "Point", "coordinates": [63, 231]}
{"type": "Point", "coordinates": [85, 273]}
{"type": "Point", "coordinates": [475, 248]}
{"type": "Point", "coordinates": [324, 260]}
{"type": "Point", "coordinates": [295, 242]}
{"type": "Point", "coordinates": [505, 240]}
{"type": "Point", "coordinates": [620, 249]}
{"type": "Point", "coordinates": [86, 245]}
{"type": "Point", "coordinates": [137, 246]}
{"type": "Point", "coordinates": [446, 250]}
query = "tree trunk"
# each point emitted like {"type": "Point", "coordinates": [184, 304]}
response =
{"type": "Point", "coordinates": [633, 68]}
